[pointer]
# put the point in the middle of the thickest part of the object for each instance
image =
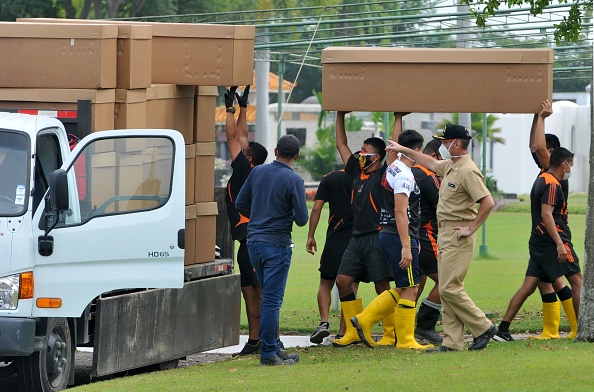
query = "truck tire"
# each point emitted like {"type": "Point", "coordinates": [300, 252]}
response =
{"type": "Point", "coordinates": [48, 370]}
{"type": "Point", "coordinates": [7, 368]}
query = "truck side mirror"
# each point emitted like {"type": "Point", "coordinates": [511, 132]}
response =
{"type": "Point", "coordinates": [59, 190]}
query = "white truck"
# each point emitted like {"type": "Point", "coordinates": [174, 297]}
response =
{"type": "Point", "coordinates": [91, 254]}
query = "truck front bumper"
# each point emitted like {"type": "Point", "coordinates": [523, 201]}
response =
{"type": "Point", "coordinates": [17, 336]}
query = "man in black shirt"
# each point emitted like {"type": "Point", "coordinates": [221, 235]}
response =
{"type": "Point", "coordinates": [244, 156]}
{"type": "Point", "coordinates": [363, 259]}
{"type": "Point", "coordinates": [541, 147]}
{"type": "Point", "coordinates": [335, 188]}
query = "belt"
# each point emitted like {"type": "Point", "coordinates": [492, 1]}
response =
{"type": "Point", "coordinates": [454, 223]}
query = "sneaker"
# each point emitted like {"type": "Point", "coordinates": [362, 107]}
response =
{"type": "Point", "coordinates": [501, 336]}
{"type": "Point", "coordinates": [321, 332]}
{"type": "Point", "coordinates": [249, 349]}
{"type": "Point", "coordinates": [282, 354]}
{"type": "Point", "coordinates": [275, 361]}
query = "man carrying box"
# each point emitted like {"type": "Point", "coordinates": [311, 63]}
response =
{"type": "Point", "coordinates": [244, 156]}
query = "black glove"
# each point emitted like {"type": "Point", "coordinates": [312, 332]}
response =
{"type": "Point", "coordinates": [230, 97]}
{"type": "Point", "coordinates": [243, 100]}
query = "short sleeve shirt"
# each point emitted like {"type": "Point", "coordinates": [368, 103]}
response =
{"type": "Point", "coordinates": [398, 178]}
{"type": "Point", "coordinates": [335, 188]}
{"type": "Point", "coordinates": [548, 190]}
{"type": "Point", "coordinates": [462, 186]}
{"type": "Point", "coordinates": [429, 185]}
{"type": "Point", "coordinates": [366, 190]}
{"type": "Point", "coordinates": [237, 220]}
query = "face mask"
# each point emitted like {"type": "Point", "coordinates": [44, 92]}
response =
{"type": "Point", "coordinates": [400, 155]}
{"type": "Point", "coordinates": [445, 152]}
{"type": "Point", "coordinates": [566, 175]}
{"type": "Point", "coordinates": [366, 160]}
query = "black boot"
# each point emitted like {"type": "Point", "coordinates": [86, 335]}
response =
{"type": "Point", "coordinates": [426, 320]}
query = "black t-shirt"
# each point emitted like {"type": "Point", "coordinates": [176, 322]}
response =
{"type": "Point", "coordinates": [365, 196]}
{"type": "Point", "coordinates": [335, 189]}
{"type": "Point", "coordinates": [408, 183]}
{"type": "Point", "coordinates": [428, 183]}
{"type": "Point", "coordinates": [238, 221]}
{"type": "Point", "coordinates": [547, 190]}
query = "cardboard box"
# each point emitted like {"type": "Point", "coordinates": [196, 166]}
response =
{"type": "Point", "coordinates": [197, 54]}
{"type": "Point", "coordinates": [171, 107]}
{"type": "Point", "coordinates": [204, 180]}
{"type": "Point", "coordinates": [436, 80]}
{"type": "Point", "coordinates": [200, 233]}
{"type": "Point", "coordinates": [130, 109]}
{"type": "Point", "coordinates": [134, 50]}
{"type": "Point", "coordinates": [203, 54]}
{"type": "Point", "coordinates": [58, 55]}
{"type": "Point", "coordinates": [205, 113]}
{"type": "Point", "coordinates": [190, 173]}
{"type": "Point", "coordinates": [102, 105]}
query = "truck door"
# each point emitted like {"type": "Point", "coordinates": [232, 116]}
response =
{"type": "Point", "coordinates": [124, 226]}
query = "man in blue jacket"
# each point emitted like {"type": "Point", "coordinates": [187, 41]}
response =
{"type": "Point", "coordinates": [275, 197]}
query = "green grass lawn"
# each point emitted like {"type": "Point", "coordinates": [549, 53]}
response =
{"type": "Point", "coordinates": [491, 282]}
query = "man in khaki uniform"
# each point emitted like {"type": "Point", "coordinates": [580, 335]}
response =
{"type": "Point", "coordinates": [458, 220]}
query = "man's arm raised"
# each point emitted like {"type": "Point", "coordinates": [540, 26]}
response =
{"type": "Point", "coordinates": [341, 139]}
{"type": "Point", "coordinates": [242, 126]}
{"type": "Point", "coordinates": [396, 131]}
{"type": "Point", "coordinates": [231, 129]}
{"type": "Point", "coordinates": [538, 143]}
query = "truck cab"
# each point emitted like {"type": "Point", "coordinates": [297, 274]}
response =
{"type": "Point", "coordinates": [98, 227]}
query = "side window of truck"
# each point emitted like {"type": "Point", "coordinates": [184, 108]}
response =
{"type": "Point", "coordinates": [119, 176]}
{"type": "Point", "coordinates": [47, 159]}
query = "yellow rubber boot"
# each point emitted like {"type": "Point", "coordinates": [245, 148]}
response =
{"type": "Point", "coordinates": [389, 338]}
{"type": "Point", "coordinates": [349, 310]}
{"type": "Point", "coordinates": [551, 316]}
{"type": "Point", "coordinates": [380, 307]}
{"type": "Point", "coordinates": [404, 320]}
{"type": "Point", "coordinates": [571, 317]}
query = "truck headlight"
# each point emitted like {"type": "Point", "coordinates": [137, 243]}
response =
{"type": "Point", "coordinates": [9, 292]}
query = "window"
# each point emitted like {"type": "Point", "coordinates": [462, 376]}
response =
{"type": "Point", "coordinates": [116, 176]}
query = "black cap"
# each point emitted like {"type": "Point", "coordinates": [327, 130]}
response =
{"type": "Point", "coordinates": [454, 131]}
{"type": "Point", "coordinates": [288, 146]}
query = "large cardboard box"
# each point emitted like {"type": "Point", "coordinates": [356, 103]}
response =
{"type": "Point", "coordinates": [200, 233]}
{"type": "Point", "coordinates": [197, 54]}
{"type": "Point", "coordinates": [203, 54]}
{"type": "Point", "coordinates": [205, 113]}
{"type": "Point", "coordinates": [183, 116]}
{"type": "Point", "coordinates": [134, 50]}
{"type": "Point", "coordinates": [58, 55]}
{"type": "Point", "coordinates": [102, 103]}
{"type": "Point", "coordinates": [204, 180]}
{"type": "Point", "coordinates": [436, 80]}
{"type": "Point", "coordinates": [130, 109]}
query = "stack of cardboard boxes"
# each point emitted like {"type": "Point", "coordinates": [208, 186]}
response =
{"type": "Point", "coordinates": [137, 75]}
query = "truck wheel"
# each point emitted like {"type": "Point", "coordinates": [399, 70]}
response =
{"type": "Point", "coordinates": [7, 368]}
{"type": "Point", "coordinates": [48, 370]}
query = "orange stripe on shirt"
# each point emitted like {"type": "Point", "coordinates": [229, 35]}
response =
{"type": "Point", "coordinates": [569, 253]}
{"type": "Point", "coordinates": [242, 220]}
{"type": "Point", "coordinates": [372, 202]}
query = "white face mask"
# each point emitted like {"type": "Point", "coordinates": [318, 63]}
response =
{"type": "Point", "coordinates": [445, 152]}
{"type": "Point", "coordinates": [566, 175]}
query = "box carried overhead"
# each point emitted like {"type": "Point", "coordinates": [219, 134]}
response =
{"type": "Point", "coordinates": [436, 80]}
{"type": "Point", "coordinates": [58, 55]}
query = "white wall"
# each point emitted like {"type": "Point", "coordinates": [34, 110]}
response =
{"type": "Point", "coordinates": [513, 166]}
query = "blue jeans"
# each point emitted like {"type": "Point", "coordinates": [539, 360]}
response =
{"type": "Point", "coordinates": [271, 263]}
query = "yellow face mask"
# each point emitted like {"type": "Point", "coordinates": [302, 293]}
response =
{"type": "Point", "coordinates": [366, 160]}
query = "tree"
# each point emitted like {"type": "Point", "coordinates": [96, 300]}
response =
{"type": "Point", "coordinates": [567, 30]}
{"type": "Point", "coordinates": [10, 10]}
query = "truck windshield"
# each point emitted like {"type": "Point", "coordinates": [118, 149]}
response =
{"type": "Point", "coordinates": [14, 169]}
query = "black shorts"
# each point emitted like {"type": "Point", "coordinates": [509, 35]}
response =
{"type": "Point", "coordinates": [427, 253]}
{"type": "Point", "coordinates": [543, 262]}
{"type": "Point", "coordinates": [392, 248]}
{"type": "Point", "coordinates": [364, 260]}
{"type": "Point", "coordinates": [332, 256]}
{"type": "Point", "coordinates": [246, 270]}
